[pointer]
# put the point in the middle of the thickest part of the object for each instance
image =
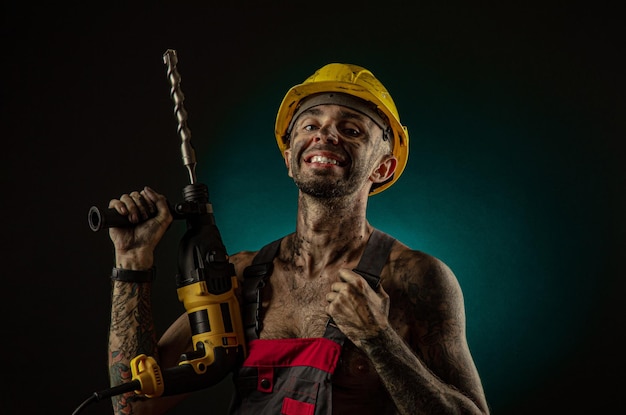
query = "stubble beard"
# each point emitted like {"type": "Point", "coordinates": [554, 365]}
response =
{"type": "Point", "coordinates": [321, 186]}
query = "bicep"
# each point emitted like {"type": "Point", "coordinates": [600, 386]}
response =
{"type": "Point", "coordinates": [175, 341]}
{"type": "Point", "coordinates": [440, 330]}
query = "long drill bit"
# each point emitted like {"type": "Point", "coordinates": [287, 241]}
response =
{"type": "Point", "coordinates": [187, 150]}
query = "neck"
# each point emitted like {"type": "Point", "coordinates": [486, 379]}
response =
{"type": "Point", "coordinates": [328, 233]}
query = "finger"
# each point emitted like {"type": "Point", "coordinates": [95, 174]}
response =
{"type": "Point", "coordinates": [353, 279]}
{"type": "Point", "coordinates": [160, 205]}
{"type": "Point", "coordinates": [340, 288]}
{"type": "Point", "coordinates": [347, 275]}
{"type": "Point", "coordinates": [150, 194]}
{"type": "Point", "coordinates": [141, 203]}
{"type": "Point", "coordinates": [131, 206]}
{"type": "Point", "coordinates": [158, 201]}
{"type": "Point", "coordinates": [334, 303]}
{"type": "Point", "coordinates": [147, 201]}
{"type": "Point", "coordinates": [119, 206]}
{"type": "Point", "coordinates": [381, 291]}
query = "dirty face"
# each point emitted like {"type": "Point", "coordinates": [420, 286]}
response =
{"type": "Point", "coordinates": [336, 151]}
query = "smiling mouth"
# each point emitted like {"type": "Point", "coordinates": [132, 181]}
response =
{"type": "Point", "coordinates": [318, 159]}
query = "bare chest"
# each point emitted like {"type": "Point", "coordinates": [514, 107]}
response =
{"type": "Point", "coordinates": [294, 308]}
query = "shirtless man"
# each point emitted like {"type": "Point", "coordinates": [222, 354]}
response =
{"type": "Point", "coordinates": [402, 346]}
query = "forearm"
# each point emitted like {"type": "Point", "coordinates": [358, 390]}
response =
{"type": "Point", "coordinates": [412, 386]}
{"type": "Point", "coordinates": [131, 333]}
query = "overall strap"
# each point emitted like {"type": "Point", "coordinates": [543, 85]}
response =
{"type": "Point", "coordinates": [255, 276]}
{"type": "Point", "coordinates": [369, 267]}
{"type": "Point", "coordinates": [374, 257]}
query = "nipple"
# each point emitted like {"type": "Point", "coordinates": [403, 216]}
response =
{"type": "Point", "coordinates": [361, 366]}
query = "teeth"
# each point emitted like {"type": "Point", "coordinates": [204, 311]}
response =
{"type": "Point", "coordinates": [321, 159]}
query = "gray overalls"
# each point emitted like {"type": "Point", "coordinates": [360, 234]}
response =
{"type": "Point", "coordinates": [293, 376]}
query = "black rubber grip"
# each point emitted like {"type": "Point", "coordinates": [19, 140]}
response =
{"type": "Point", "coordinates": [107, 218]}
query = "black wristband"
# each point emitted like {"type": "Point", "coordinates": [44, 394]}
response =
{"type": "Point", "coordinates": [129, 275]}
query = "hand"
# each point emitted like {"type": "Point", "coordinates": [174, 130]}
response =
{"type": "Point", "coordinates": [359, 311]}
{"type": "Point", "coordinates": [134, 246]}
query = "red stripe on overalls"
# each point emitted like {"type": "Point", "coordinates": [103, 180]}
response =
{"type": "Point", "coordinates": [319, 353]}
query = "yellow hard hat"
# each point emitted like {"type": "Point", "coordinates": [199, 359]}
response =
{"type": "Point", "coordinates": [355, 81]}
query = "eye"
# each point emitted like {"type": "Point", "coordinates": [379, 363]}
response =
{"type": "Point", "coordinates": [351, 132]}
{"type": "Point", "coordinates": [310, 127]}
{"type": "Point", "coordinates": [352, 129]}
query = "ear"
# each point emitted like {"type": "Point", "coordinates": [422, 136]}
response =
{"type": "Point", "coordinates": [286, 158]}
{"type": "Point", "coordinates": [384, 170]}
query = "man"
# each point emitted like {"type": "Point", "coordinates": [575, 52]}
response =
{"type": "Point", "coordinates": [376, 328]}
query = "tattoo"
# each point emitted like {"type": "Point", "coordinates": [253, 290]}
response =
{"type": "Point", "coordinates": [429, 371]}
{"type": "Point", "coordinates": [131, 320]}
{"type": "Point", "coordinates": [131, 333]}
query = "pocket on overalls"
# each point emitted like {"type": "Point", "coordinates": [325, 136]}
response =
{"type": "Point", "coordinates": [288, 395]}
{"type": "Point", "coordinates": [288, 375]}
{"type": "Point", "coordinates": [293, 407]}
{"type": "Point", "coordinates": [299, 395]}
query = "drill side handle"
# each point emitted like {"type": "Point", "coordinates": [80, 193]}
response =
{"type": "Point", "coordinates": [109, 218]}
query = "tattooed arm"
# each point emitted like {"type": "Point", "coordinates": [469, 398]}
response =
{"type": "Point", "coordinates": [131, 333]}
{"type": "Point", "coordinates": [415, 336]}
{"type": "Point", "coordinates": [132, 329]}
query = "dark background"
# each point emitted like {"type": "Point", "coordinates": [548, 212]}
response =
{"type": "Point", "coordinates": [515, 176]}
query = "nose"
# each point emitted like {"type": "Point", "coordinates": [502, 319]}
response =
{"type": "Point", "coordinates": [328, 134]}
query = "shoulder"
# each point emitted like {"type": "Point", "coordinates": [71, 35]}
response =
{"type": "Point", "coordinates": [426, 302]}
{"type": "Point", "coordinates": [241, 260]}
{"type": "Point", "coordinates": [414, 265]}
{"type": "Point", "coordinates": [424, 280]}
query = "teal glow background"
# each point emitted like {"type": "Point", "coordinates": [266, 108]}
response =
{"type": "Point", "coordinates": [515, 176]}
{"type": "Point", "coordinates": [505, 187]}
